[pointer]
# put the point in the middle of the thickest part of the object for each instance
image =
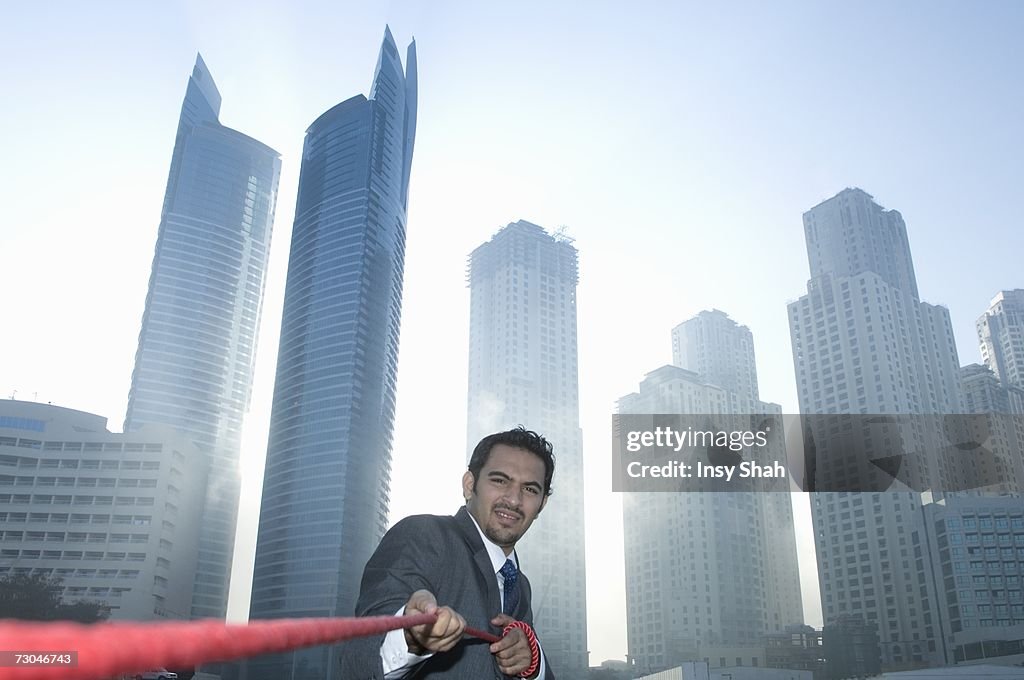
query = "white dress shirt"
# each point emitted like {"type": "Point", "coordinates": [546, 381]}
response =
{"type": "Point", "coordinates": [394, 652]}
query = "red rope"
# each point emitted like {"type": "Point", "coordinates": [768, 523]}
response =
{"type": "Point", "coordinates": [482, 634]}
{"type": "Point", "coordinates": [531, 638]}
{"type": "Point", "coordinates": [107, 650]}
{"type": "Point", "coordinates": [75, 651]}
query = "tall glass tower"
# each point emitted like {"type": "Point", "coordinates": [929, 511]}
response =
{"type": "Point", "coordinates": [194, 365]}
{"type": "Point", "coordinates": [325, 492]}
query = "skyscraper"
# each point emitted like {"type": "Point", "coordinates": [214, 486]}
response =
{"type": "Point", "coordinates": [523, 370]}
{"type": "Point", "coordinates": [1001, 334]}
{"type": "Point", "coordinates": [863, 342]}
{"type": "Point", "coordinates": [997, 465]}
{"type": "Point", "coordinates": [325, 492]}
{"type": "Point", "coordinates": [708, 574]}
{"type": "Point", "coordinates": [194, 365]}
{"type": "Point", "coordinates": [970, 542]}
{"type": "Point", "coordinates": [985, 393]}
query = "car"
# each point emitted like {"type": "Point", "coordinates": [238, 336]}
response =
{"type": "Point", "coordinates": [157, 674]}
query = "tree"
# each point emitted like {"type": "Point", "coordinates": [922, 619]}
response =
{"type": "Point", "coordinates": [38, 598]}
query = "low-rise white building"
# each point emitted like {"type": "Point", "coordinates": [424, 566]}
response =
{"type": "Point", "coordinates": [973, 559]}
{"type": "Point", "coordinates": [115, 516]}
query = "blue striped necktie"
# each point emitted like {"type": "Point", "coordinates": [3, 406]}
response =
{"type": "Point", "coordinates": [511, 575]}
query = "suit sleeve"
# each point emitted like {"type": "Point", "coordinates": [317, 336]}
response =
{"type": "Point", "coordinates": [406, 560]}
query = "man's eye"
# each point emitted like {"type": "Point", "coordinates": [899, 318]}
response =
{"type": "Point", "coordinates": [532, 490]}
{"type": "Point", "coordinates": [499, 481]}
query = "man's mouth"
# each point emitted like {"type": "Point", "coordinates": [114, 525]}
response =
{"type": "Point", "coordinates": [507, 515]}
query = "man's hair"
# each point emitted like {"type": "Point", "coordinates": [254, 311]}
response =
{"type": "Point", "coordinates": [519, 438]}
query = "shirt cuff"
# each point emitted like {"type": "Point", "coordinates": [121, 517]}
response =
{"type": "Point", "coordinates": [395, 656]}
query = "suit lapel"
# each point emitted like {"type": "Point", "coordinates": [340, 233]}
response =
{"type": "Point", "coordinates": [480, 557]}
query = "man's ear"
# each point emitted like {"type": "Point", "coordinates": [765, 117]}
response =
{"type": "Point", "coordinates": [467, 485]}
{"type": "Point", "coordinates": [543, 502]}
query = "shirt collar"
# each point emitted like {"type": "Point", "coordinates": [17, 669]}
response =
{"type": "Point", "coordinates": [494, 550]}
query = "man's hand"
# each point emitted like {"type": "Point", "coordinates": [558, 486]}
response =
{"type": "Point", "coordinates": [439, 636]}
{"type": "Point", "coordinates": [512, 651]}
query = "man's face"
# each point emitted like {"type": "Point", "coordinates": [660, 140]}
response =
{"type": "Point", "coordinates": [508, 496]}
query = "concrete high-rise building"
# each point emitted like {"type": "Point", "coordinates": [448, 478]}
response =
{"type": "Point", "coordinates": [325, 491]}
{"type": "Point", "coordinates": [1001, 334]}
{"type": "Point", "coordinates": [864, 342]}
{"type": "Point", "coordinates": [983, 392]}
{"type": "Point", "coordinates": [523, 370]}
{"type": "Point", "coordinates": [997, 388]}
{"type": "Point", "coordinates": [721, 352]}
{"type": "Point", "coordinates": [706, 572]}
{"type": "Point", "coordinates": [197, 347]}
{"type": "Point", "coordinates": [995, 423]}
{"type": "Point", "coordinates": [116, 517]}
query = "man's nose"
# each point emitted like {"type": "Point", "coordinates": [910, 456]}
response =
{"type": "Point", "coordinates": [514, 497]}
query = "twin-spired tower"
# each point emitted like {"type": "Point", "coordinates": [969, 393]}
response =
{"type": "Point", "coordinates": [197, 347]}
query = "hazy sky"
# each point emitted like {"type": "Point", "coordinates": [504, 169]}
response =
{"type": "Point", "coordinates": [678, 142]}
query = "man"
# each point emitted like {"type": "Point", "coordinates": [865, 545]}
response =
{"type": "Point", "coordinates": [465, 569]}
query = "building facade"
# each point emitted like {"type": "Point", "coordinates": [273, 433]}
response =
{"type": "Point", "coordinates": [864, 343]}
{"type": "Point", "coordinates": [523, 370]}
{"type": "Point", "coordinates": [328, 466]}
{"type": "Point", "coordinates": [115, 516]}
{"type": "Point", "coordinates": [197, 347]}
{"type": "Point", "coordinates": [706, 571]}
{"type": "Point", "coordinates": [971, 552]}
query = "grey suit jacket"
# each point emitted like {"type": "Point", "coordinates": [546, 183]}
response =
{"type": "Point", "coordinates": [445, 556]}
